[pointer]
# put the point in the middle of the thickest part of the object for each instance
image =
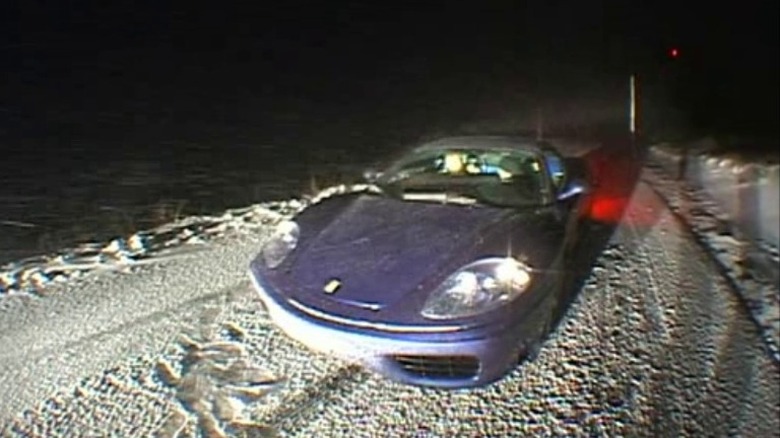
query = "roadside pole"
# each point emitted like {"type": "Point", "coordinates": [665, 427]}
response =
{"type": "Point", "coordinates": [632, 105]}
{"type": "Point", "coordinates": [635, 116]}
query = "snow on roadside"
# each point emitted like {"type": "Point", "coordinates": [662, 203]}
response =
{"type": "Point", "coordinates": [750, 265]}
{"type": "Point", "coordinates": [192, 372]}
{"type": "Point", "coordinates": [37, 275]}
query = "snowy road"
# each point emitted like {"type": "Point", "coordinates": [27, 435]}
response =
{"type": "Point", "coordinates": [655, 344]}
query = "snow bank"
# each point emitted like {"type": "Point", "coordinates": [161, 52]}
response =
{"type": "Point", "coordinates": [35, 275]}
{"type": "Point", "coordinates": [731, 206]}
{"type": "Point", "coordinates": [747, 190]}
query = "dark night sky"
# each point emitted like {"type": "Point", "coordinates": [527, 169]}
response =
{"type": "Point", "coordinates": [73, 59]}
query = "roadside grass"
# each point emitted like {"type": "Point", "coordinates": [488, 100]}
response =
{"type": "Point", "coordinates": [93, 224]}
{"type": "Point", "coordinates": [68, 222]}
{"type": "Point", "coordinates": [102, 223]}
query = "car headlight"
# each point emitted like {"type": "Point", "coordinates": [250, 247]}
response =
{"type": "Point", "coordinates": [281, 243]}
{"type": "Point", "coordinates": [477, 288]}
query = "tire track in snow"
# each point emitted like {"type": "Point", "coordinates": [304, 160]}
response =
{"type": "Point", "coordinates": [706, 329]}
{"type": "Point", "coordinates": [203, 383]}
{"type": "Point", "coordinates": [217, 383]}
{"type": "Point", "coordinates": [335, 384]}
{"type": "Point", "coordinates": [213, 379]}
{"type": "Point", "coordinates": [759, 300]}
{"type": "Point", "coordinates": [324, 378]}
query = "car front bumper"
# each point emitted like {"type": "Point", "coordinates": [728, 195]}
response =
{"type": "Point", "coordinates": [447, 360]}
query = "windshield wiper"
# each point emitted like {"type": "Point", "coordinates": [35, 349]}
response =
{"type": "Point", "coordinates": [444, 198]}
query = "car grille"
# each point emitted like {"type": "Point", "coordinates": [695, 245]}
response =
{"type": "Point", "coordinates": [438, 367]}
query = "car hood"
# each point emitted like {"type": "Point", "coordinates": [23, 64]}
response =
{"type": "Point", "coordinates": [381, 249]}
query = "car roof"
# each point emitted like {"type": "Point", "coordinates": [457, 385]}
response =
{"type": "Point", "coordinates": [486, 142]}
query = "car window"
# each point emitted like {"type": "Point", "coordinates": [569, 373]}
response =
{"type": "Point", "coordinates": [507, 178]}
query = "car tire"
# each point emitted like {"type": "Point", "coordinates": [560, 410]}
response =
{"type": "Point", "coordinates": [530, 351]}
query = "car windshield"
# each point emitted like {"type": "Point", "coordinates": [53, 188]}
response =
{"type": "Point", "coordinates": [504, 178]}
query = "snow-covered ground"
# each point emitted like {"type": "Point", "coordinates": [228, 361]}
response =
{"type": "Point", "coordinates": [731, 205]}
{"type": "Point", "coordinates": [160, 334]}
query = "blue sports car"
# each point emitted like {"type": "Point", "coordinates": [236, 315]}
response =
{"type": "Point", "coordinates": [447, 273]}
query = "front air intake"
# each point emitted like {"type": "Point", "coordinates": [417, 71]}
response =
{"type": "Point", "coordinates": [438, 367]}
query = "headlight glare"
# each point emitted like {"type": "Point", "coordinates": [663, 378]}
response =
{"type": "Point", "coordinates": [477, 288]}
{"type": "Point", "coordinates": [512, 273]}
{"type": "Point", "coordinates": [281, 243]}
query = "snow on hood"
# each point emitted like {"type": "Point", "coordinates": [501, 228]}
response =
{"type": "Point", "coordinates": [382, 248]}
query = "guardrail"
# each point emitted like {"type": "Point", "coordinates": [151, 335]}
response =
{"type": "Point", "coordinates": [747, 192]}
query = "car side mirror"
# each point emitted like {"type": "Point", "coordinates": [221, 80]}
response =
{"type": "Point", "coordinates": [574, 188]}
{"type": "Point", "coordinates": [371, 176]}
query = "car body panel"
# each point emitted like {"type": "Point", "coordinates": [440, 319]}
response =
{"type": "Point", "coordinates": [497, 347]}
{"type": "Point", "coordinates": [386, 236]}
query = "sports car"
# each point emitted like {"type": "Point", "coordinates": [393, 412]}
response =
{"type": "Point", "coordinates": [447, 272]}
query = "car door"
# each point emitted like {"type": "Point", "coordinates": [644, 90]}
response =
{"type": "Point", "coordinates": [560, 177]}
